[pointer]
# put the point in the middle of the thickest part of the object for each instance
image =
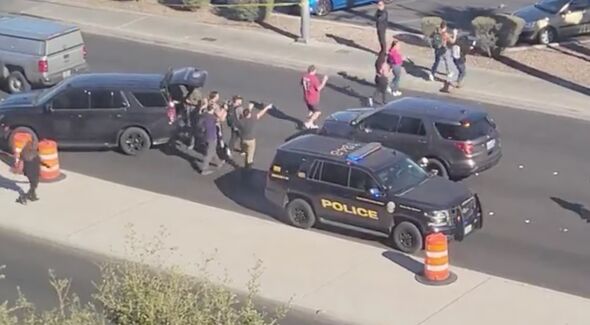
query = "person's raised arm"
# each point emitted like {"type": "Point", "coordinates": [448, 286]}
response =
{"type": "Point", "coordinates": [260, 114]}
{"type": "Point", "coordinates": [323, 84]}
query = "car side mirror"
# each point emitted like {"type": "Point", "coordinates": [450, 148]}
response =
{"type": "Point", "coordinates": [375, 192]}
{"type": "Point", "coordinates": [49, 107]}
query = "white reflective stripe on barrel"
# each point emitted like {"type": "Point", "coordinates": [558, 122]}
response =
{"type": "Point", "coordinates": [50, 156]}
{"type": "Point", "coordinates": [50, 169]}
{"type": "Point", "coordinates": [436, 268]}
{"type": "Point", "coordinates": [437, 254]}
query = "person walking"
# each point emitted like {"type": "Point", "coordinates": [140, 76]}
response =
{"type": "Point", "coordinates": [381, 21]}
{"type": "Point", "coordinates": [234, 114]}
{"type": "Point", "coordinates": [459, 51]}
{"type": "Point", "coordinates": [208, 123]}
{"type": "Point", "coordinates": [247, 126]}
{"type": "Point", "coordinates": [381, 80]}
{"type": "Point", "coordinates": [395, 60]}
{"type": "Point", "coordinates": [440, 43]}
{"type": "Point", "coordinates": [31, 169]}
{"type": "Point", "coordinates": [311, 94]}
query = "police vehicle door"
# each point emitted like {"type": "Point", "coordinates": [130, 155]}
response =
{"type": "Point", "coordinates": [338, 202]}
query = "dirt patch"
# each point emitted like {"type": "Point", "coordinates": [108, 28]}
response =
{"type": "Point", "coordinates": [571, 65]}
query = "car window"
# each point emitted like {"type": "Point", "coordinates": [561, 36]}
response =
{"type": "Point", "coordinates": [151, 99]}
{"type": "Point", "coordinates": [21, 45]}
{"type": "Point", "coordinates": [335, 174]}
{"type": "Point", "coordinates": [579, 4]}
{"type": "Point", "coordinates": [465, 131]}
{"type": "Point", "coordinates": [360, 180]}
{"type": "Point", "coordinates": [382, 122]}
{"type": "Point", "coordinates": [288, 162]}
{"type": "Point", "coordinates": [106, 99]}
{"type": "Point", "coordinates": [411, 125]}
{"type": "Point", "coordinates": [72, 98]}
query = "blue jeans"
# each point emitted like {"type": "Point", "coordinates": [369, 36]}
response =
{"type": "Point", "coordinates": [397, 75]}
{"type": "Point", "coordinates": [440, 54]}
{"type": "Point", "coordinates": [462, 69]}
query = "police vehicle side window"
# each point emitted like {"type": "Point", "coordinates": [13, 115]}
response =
{"type": "Point", "coordinates": [360, 180]}
{"type": "Point", "coordinates": [72, 98]}
{"type": "Point", "coordinates": [411, 125]}
{"type": "Point", "coordinates": [334, 174]}
{"type": "Point", "coordinates": [150, 99]}
{"type": "Point", "coordinates": [106, 99]}
{"type": "Point", "coordinates": [382, 122]}
{"type": "Point", "coordinates": [288, 162]}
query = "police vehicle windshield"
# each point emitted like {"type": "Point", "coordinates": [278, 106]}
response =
{"type": "Point", "coordinates": [403, 175]}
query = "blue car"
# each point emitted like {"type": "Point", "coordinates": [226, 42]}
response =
{"type": "Point", "coordinates": [324, 7]}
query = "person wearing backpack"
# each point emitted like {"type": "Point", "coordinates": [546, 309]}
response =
{"type": "Point", "coordinates": [440, 41]}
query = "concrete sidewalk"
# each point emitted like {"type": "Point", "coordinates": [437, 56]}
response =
{"type": "Point", "coordinates": [511, 89]}
{"type": "Point", "coordinates": [336, 278]}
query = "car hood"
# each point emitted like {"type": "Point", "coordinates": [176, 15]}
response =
{"type": "Point", "coordinates": [436, 193]}
{"type": "Point", "coordinates": [348, 115]}
{"type": "Point", "coordinates": [532, 14]}
{"type": "Point", "coordinates": [19, 100]}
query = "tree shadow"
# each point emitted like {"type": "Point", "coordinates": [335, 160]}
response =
{"type": "Point", "coordinates": [348, 91]}
{"type": "Point", "coordinates": [577, 47]}
{"type": "Point", "coordinates": [404, 261]}
{"type": "Point", "coordinates": [578, 208]}
{"type": "Point", "coordinates": [350, 43]}
{"type": "Point", "coordinates": [542, 75]}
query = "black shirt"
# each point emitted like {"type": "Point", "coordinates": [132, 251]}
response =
{"type": "Point", "coordinates": [247, 125]}
{"type": "Point", "coordinates": [381, 17]}
{"type": "Point", "coordinates": [31, 168]}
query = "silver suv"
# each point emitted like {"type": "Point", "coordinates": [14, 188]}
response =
{"type": "Point", "coordinates": [36, 52]}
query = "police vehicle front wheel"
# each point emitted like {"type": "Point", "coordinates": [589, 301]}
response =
{"type": "Point", "coordinates": [300, 214]}
{"type": "Point", "coordinates": [407, 237]}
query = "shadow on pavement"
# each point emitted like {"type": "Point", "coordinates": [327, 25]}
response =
{"type": "Point", "coordinates": [579, 209]}
{"type": "Point", "coordinates": [11, 185]}
{"type": "Point", "coordinates": [415, 70]}
{"type": "Point", "coordinates": [576, 47]}
{"type": "Point", "coordinates": [350, 43]}
{"type": "Point", "coordinates": [411, 39]}
{"type": "Point", "coordinates": [280, 115]}
{"type": "Point", "coordinates": [404, 261]}
{"type": "Point", "coordinates": [573, 53]}
{"type": "Point", "coordinates": [543, 75]}
{"type": "Point", "coordinates": [348, 91]}
{"type": "Point", "coordinates": [277, 30]}
{"type": "Point", "coordinates": [356, 79]}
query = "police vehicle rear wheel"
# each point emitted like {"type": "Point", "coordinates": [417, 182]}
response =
{"type": "Point", "coordinates": [300, 214]}
{"type": "Point", "coordinates": [407, 237]}
{"type": "Point", "coordinates": [134, 141]}
{"type": "Point", "coordinates": [21, 129]}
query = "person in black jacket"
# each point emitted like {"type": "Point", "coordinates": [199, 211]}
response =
{"type": "Point", "coordinates": [31, 168]}
{"type": "Point", "coordinates": [382, 19]}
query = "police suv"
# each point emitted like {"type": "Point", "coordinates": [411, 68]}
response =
{"type": "Point", "coordinates": [368, 188]}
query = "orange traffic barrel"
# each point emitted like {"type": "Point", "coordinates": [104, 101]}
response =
{"type": "Point", "coordinates": [19, 140]}
{"type": "Point", "coordinates": [50, 170]}
{"type": "Point", "coordinates": [436, 265]}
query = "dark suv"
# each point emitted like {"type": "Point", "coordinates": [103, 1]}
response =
{"type": "Point", "coordinates": [368, 188]}
{"type": "Point", "coordinates": [100, 110]}
{"type": "Point", "coordinates": [457, 141]}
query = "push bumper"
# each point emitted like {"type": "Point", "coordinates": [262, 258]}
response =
{"type": "Point", "coordinates": [463, 226]}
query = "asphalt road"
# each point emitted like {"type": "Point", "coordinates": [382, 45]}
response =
{"type": "Point", "coordinates": [536, 199]}
{"type": "Point", "coordinates": [27, 266]}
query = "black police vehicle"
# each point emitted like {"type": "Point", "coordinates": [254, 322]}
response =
{"type": "Point", "coordinates": [125, 110]}
{"type": "Point", "coordinates": [456, 140]}
{"type": "Point", "coordinates": [368, 188]}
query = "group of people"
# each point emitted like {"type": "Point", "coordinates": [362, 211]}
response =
{"type": "Point", "coordinates": [390, 59]}
{"type": "Point", "coordinates": [206, 118]}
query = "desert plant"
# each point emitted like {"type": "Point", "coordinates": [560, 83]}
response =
{"type": "Point", "coordinates": [243, 10]}
{"type": "Point", "coordinates": [509, 28]}
{"type": "Point", "coordinates": [496, 33]}
{"type": "Point", "coordinates": [429, 25]}
{"type": "Point", "coordinates": [195, 4]}
{"type": "Point", "coordinates": [484, 29]}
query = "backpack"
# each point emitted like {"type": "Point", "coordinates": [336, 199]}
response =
{"type": "Point", "coordinates": [437, 40]}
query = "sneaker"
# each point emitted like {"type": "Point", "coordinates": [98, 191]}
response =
{"type": "Point", "coordinates": [206, 172]}
{"type": "Point", "coordinates": [307, 125]}
{"type": "Point", "coordinates": [22, 200]}
{"type": "Point", "coordinates": [397, 93]}
{"type": "Point", "coordinates": [430, 76]}
{"type": "Point", "coordinates": [389, 90]}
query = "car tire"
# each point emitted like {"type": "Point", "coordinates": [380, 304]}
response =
{"type": "Point", "coordinates": [407, 238]}
{"type": "Point", "coordinates": [300, 214]}
{"type": "Point", "coordinates": [439, 166]}
{"type": "Point", "coordinates": [547, 35]}
{"type": "Point", "coordinates": [323, 7]}
{"type": "Point", "coordinates": [134, 141]}
{"type": "Point", "coordinates": [16, 83]}
{"type": "Point", "coordinates": [21, 129]}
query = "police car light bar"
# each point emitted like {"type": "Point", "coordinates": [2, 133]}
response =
{"type": "Point", "coordinates": [363, 152]}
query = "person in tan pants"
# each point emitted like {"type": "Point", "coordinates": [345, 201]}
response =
{"type": "Point", "coordinates": [246, 126]}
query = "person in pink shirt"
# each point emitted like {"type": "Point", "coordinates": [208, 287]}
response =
{"type": "Point", "coordinates": [311, 94]}
{"type": "Point", "coordinates": [395, 60]}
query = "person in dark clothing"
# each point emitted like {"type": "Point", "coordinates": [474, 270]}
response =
{"type": "Point", "coordinates": [234, 114]}
{"type": "Point", "coordinates": [208, 124]}
{"type": "Point", "coordinates": [459, 52]}
{"type": "Point", "coordinates": [381, 81]}
{"type": "Point", "coordinates": [381, 21]}
{"type": "Point", "coordinates": [31, 169]}
{"type": "Point", "coordinates": [247, 126]}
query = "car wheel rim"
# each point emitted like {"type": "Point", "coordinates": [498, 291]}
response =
{"type": "Point", "coordinates": [134, 142]}
{"type": "Point", "coordinates": [546, 37]}
{"type": "Point", "coordinates": [15, 84]}
{"type": "Point", "coordinates": [436, 167]}
{"type": "Point", "coordinates": [406, 240]}
{"type": "Point", "coordinates": [299, 216]}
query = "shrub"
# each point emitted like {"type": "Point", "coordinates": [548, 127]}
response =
{"type": "Point", "coordinates": [248, 11]}
{"type": "Point", "coordinates": [429, 25]}
{"type": "Point", "coordinates": [195, 4]}
{"type": "Point", "coordinates": [484, 29]}
{"type": "Point", "coordinates": [509, 28]}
